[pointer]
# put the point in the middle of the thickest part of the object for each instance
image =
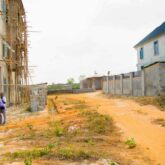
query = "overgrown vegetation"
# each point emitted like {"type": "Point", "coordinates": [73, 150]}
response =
{"type": "Point", "coordinates": [77, 133]}
{"type": "Point", "coordinates": [57, 129]}
{"type": "Point", "coordinates": [71, 152]}
{"type": "Point", "coordinates": [97, 123]}
{"type": "Point", "coordinates": [158, 101]}
{"type": "Point", "coordinates": [35, 153]}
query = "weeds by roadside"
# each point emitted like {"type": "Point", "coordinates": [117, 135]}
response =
{"type": "Point", "coordinates": [97, 123]}
{"type": "Point", "coordinates": [77, 133]}
{"type": "Point", "coordinates": [130, 143]}
{"type": "Point", "coordinates": [158, 101]}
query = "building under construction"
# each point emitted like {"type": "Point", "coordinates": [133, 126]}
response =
{"type": "Point", "coordinates": [13, 51]}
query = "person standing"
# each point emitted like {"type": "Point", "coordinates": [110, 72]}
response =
{"type": "Point", "coordinates": [3, 106]}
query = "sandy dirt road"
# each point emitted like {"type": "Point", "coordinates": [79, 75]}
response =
{"type": "Point", "coordinates": [134, 121]}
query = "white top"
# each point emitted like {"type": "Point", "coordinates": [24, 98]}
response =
{"type": "Point", "coordinates": [4, 100]}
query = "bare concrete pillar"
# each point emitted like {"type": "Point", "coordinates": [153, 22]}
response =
{"type": "Point", "coordinates": [114, 85]}
{"type": "Point", "coordinates": [131, 83]}
{"type": "Point", "coordinates": [81, 84]}
{"type": "Point", "coordinates": [88, 83]}
{"type": "Point", "coordinates": [93, 84]}
{"type": "Point", "coordinates": [121, 83]}
{"type": "Point", "coordinates": [143, 82]}
{"type": "Point", "coordinates": [107, 82]}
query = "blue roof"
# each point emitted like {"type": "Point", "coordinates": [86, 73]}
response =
{"type": "Point", "coordinates": [156, 32]}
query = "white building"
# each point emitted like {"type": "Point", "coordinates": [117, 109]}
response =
{"type": "Point", "coordinates": [151, 49]}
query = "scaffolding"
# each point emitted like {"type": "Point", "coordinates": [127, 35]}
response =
{"type": "Point", "coordinates": [16, 60]}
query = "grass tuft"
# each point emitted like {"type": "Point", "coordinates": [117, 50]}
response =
{"type": "Point", "coordinates": [35, 153]}
{"type": "Point", "coordinates": [130, 143]}
{"type": "Point", "coordinates": [73, 153]}
{"type": "Point", "coordinates": [98, 123]}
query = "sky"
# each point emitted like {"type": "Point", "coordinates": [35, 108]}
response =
{"type": "Point", "coordinates": [69, 38]}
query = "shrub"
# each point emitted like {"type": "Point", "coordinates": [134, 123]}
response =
{"type": "Point", "coordinates": [28, 161]}
{"type": "Point", "coordinates": [130, 143]}
{"type": "Point", "coordinates": [113, 163]}
{"type": "Point", "coordinates": [56, 129]}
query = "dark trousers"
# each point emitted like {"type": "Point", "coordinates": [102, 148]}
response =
{"type": "Point", "coordinates": [3, 113]}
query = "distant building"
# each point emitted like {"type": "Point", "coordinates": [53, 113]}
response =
{"type": "Point", "coordinates": [93, 82]}
{"type": "Point", "coordinates": [151, 49]}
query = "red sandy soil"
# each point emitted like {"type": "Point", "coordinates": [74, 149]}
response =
{"type": "Point", "coordinates": [135, 121]}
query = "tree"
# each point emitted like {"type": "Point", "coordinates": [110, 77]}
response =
{"type": "Point", "coordinates": [71, 81]}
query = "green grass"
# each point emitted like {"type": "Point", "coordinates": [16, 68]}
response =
{"type": "Point", "coordinates": [67, 152]}
{"type": "Point", "coordinates": [28, 155]}
{"type": "Point", "coordinates": [56, 128]}
{"type": "Point", "coordinates": [28, 161]}
{"type": "Point", "coordinates": [97, 123]}
{"type": "Point", "coordinates": [82, 143]}
{"type": "Point", "coordinates": [35, 153]}
{"type": "Point", "coordinates": [113, 163]}
{"type": "Point", "coordinates": [74, 153]}
{"type": "Point", "coordinates": [130, 143]}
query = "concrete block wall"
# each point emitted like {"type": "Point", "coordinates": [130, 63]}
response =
{"type": "Point", "coordinates": [150, 81]}
{"type": "Point", "coordinates": [162, 77]}
{"type": "Point", "coordinates": [38, 97]}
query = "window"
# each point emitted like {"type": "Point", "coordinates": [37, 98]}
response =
{"type": "Point", "coordinates": [141, 53]}
{"type": "Point", "coordinates": [4, 9]}
{"type": "Point", "coordinates": [156, 48]}
{"type": "Point", "coordinates": [5, 87]}
{"type": "Point", "coordinates": [5, 50]}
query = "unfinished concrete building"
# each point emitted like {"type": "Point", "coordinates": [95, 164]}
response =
{"type": "Point", "coordinates": [94, 82]}
{"type": "Point", "coordinates": [13, 51]}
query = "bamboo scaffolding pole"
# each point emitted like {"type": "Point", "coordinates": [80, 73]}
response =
{"type": "Point", "coordinates": [17, 40]}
